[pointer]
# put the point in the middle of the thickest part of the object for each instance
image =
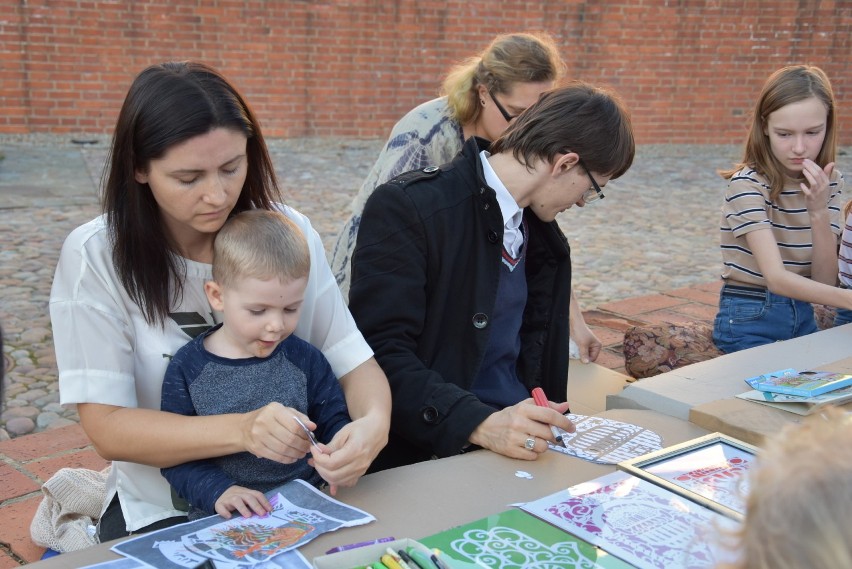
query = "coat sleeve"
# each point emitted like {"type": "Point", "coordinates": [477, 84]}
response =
{"type": "Point", "coordinates": [389, 299]}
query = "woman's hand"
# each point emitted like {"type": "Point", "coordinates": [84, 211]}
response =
{"type": "Point", "coordinates": [506, 432]}
{"type": "Point", "coordinates": [271, 432]}
{"type": "Point", "coordinates": [349, 454]}
{"type": "Point", "coordinates": [244, 500]}
{"type": "Point", "coordinates": [357, 444]}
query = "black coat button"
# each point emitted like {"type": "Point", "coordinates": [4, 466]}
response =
{"type": "Point", "coordinates": [480, 320]}
{"type": "Point", "coordinates": [493, 237]}
{"type": "Point", "coordinates": [430, 415]}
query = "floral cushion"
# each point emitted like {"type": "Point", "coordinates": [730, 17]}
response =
{"type": "Point", "coordinates": [658, 348]}
{"type": "Point", "coordinates": [824, 316]}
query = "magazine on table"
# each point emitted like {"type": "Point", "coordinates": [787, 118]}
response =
{"type": "Point", "coordinates": [797, 404]}
{"type": "Point", "coordinates": [809, 383]}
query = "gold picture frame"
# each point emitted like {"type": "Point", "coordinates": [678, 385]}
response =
{"type": "Point", "coordinates": [709, 470]}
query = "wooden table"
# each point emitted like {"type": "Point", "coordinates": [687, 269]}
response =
{"type": "Point", "coordinates": [423, 499]}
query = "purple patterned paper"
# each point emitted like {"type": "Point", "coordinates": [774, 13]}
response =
{"type": "Point", "coordinates": [637, 521]}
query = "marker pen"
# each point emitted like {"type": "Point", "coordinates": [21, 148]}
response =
{"type": "Point", "coordinates": [541, 400]}
{"type": "Point", "coordinates": [359, 544]}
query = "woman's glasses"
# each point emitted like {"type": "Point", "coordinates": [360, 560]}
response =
{"type": "Point", "coordinates": [500, 108]}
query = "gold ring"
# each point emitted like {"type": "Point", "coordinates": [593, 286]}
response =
{"type": "Point", "coordinates": [529, 444]}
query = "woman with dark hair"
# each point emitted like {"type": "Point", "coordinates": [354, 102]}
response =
{"type": "Point", "coordinates": [187, 153]}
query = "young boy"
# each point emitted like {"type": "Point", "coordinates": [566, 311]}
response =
{"type": "Point", "coordinates": [260, 269]}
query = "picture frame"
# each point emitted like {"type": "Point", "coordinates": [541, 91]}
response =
{"type": "Point", "coordinates": [710, 470]}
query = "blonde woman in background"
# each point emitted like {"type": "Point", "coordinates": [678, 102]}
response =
{"type": "Point", "coordinates": [481, 96]}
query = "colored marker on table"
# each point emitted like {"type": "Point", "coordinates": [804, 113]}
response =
{"type": "Point", "coordinates": [541, 400]}
{"type": "Point", "coordinates": [389, 562]}
{"type": "Point", "coordinates": [420, 559]}
{"type": "Point", "coordinates": [398, 557]}
{"type": "Point", "coordinates": [359, 544]}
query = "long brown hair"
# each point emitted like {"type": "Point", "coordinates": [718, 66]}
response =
{"type": "Point", "coordinates": [788, 85]}
{"type": "Point", "coordinates": [167, 104]}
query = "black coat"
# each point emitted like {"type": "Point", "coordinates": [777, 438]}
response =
{"type": "Point", "coordinates": [425, 272]}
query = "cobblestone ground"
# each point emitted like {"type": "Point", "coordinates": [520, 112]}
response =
{"type": "Point", "coordinates": [656, 230]}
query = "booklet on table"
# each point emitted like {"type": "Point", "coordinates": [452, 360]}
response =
{"type": "Point", "coordinates": [800, 383]}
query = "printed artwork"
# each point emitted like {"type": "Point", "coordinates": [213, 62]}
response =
{"type": "Point", "coordinates": [643, 524]}
{"type": "Point", "coordinates": [300, 513]}
{"type": "Point", "coordinates": [118, 564]}
{"type": "Point", "coordinates": [515, 539]}
{"type": "Point", "coordinates": [605, 441]}
{"type": "Point", "coordinates": [716, 472]}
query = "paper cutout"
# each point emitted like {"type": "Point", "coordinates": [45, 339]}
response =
{"type": "Point", "coordinates": [717, 472]}
{"type": "Point", "coordinates": [643, 524]}
{"type": "Point", "coordinates": [515, 539]}
{"type": "Point", "coordinates": [605, 441]}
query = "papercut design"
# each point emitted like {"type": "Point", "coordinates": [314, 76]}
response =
{"type": "Point", "coordinates": [606, 441]}
{"type": "Point", "coordinates": [641, 523]}
{"type": "Point", "coordinates": [721, 478]}
{"type": "Point", "coordinates": [514, 539]}
{"type": "Point", "coordinates": [709, 470]}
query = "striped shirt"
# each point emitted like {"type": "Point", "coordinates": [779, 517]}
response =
{"type": "Point", "coordinates": [844, 257]}
{"type": "Point", "coordinates": [747, 208]}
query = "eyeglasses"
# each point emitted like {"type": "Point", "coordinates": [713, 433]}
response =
{"type": "Point", "coordinates": [501, 108]}
{"type": "Point", "coordinates": [595, 192]}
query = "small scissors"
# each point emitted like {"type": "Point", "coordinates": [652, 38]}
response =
{"type": "Point", "coordinates": [308, 432]}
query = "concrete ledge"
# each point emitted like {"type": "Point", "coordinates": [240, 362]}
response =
{"type": "Point", "coordinates": [590, 384]}
{"type": "Point", "coordinates": [675, 393]}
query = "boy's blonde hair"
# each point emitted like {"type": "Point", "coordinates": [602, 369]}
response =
{"type": "Point", "coordinates": [260, 244]}
{"type": "Point", "coordinates": [799, 508]}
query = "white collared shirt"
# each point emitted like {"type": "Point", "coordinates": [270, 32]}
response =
{"type": "Point", "coordinates": [107, 353]}
{"type": "Point", "coordinates": [513, 236]}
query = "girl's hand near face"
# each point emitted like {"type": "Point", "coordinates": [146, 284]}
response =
{"type": "Point", "coordinates": [816, 189]}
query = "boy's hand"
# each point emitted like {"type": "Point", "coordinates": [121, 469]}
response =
{"type": "Point", "coordinates": [247, 502]}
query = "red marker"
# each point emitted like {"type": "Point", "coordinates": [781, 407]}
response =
{"type": "Point", "coordinates": [541, 400]}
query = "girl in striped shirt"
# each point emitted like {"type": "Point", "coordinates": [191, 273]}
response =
{"type": "Point", "coordinates": [780, 218]}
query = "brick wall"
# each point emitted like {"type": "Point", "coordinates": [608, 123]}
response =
{"type": "Point", "coordinates": [689, 69]}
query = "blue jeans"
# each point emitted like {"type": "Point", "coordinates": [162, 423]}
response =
{"type": "Point", "coordinates": [750, 317]}
{"type": "Point", "coordinates": [842, 317]}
